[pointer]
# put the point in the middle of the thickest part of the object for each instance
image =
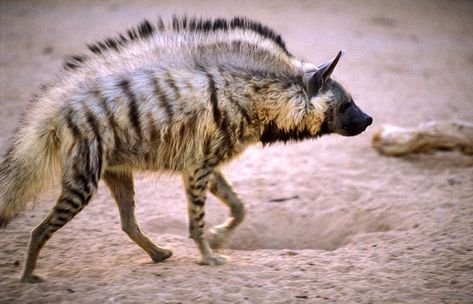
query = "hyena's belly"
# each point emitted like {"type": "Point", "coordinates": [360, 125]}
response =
{"type": "Point", "coordinates": [159, 154]}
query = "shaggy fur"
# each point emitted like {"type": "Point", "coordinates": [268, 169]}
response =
{"type": "Point", "coordinates": [185, 97]}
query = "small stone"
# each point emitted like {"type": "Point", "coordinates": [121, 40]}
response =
{"type": "Point", "coordinates": [47, 50]}
{"type": "Point", "coordinates": [302, 297]}
{"type": "Point", "coordinates": [452, 181]}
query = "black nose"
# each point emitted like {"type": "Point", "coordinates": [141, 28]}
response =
{"type": "Point", "coordinates": [369, 120]}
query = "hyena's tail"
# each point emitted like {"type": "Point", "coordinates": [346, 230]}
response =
{"type": "Point", "coordinates": [29, 165]}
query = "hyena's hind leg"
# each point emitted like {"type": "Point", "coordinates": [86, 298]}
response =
{"type": "Point", "coordinates": [81, 173]}
{"type": "Point", "coordinates": [219, 187]}
{"type": "Point", "coordinates": [121, 187]}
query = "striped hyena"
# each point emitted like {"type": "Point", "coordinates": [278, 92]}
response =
{"type": "Point", "coordinates": [185, 97]}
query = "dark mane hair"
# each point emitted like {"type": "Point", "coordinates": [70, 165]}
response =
{"type": "Point", "coordinates": [146, 30]}
{"type": "Point", "coordinates": [212, 25]}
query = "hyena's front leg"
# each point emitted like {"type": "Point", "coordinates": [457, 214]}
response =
{"type": "Point", "coordinates": [218, 235]}
{"type": "Point", "coordinates": [121, 187]}
{"type": "Point", "coordinates": [196, 187]}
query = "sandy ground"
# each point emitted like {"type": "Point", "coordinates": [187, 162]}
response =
{"type": "Point", "coordinates": [328, 220]}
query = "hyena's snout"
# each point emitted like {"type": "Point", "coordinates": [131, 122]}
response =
{"type": "Point", "coordinates": [355, 121]}
{"type": "Point", "coordinates": [362, 122]}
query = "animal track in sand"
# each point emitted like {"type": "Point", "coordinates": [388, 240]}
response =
{"type": "Point", "coordinates": [327, 230]}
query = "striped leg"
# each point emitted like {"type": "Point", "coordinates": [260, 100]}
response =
{"type": "Point", "coordinates": [121, 186]}
{"type": "Point", "coordinates": [80, 178]}
{"type": "Point", "coordinates": [218, 235]}
{"type": "Point", "coordinates": [196, 187]}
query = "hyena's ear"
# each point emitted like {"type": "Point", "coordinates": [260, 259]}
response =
{"type": "Point", "coordinates": [326, 69]}
{"type": "Point", "coordinates": [316, 80]}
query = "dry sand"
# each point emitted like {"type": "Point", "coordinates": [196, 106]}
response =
{"type": "Point", "coordinates": [347, 226]}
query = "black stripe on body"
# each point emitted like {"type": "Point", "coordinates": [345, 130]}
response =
{"type": "Point", "coordinates": [213, 98]}
{"type": "Point", "coordinates": [243, 112]}
{"type": "Point", "coordinates": [172, 84]}
{"type": "Point", "coordinates": [207, 149]}
{"type": "Point", "coordinates": [190, 126]}
{"type": "Point", "coordinates": [220, 117]}
{"type": "Point", "coordinates": [241, 109]}
{"type": "Point", "coordinates": [212, 91]}
{"type": "Point", "coordinates": [94, 125]}
{"type": "Point", "coordinates": [103, 103]}
{"type": "Point", "coordinates": [227, 131]}
{"type": "Point", "coordinates": [163, 99]}
{"type": "Point", "coordinates": [154, 138]}
{"type": "Point", "coordinates": [76, 133]}
{"type": "Point", "coordinates": [154, 135]}
{"type": "Point", "coordinates": [133, 113]}
{"type": "Point", "coordinates": [86, 173]}
{"type": "Point", "coordinates": [83, 181]}
{"type": "Point", "coordinates": [84, 155]}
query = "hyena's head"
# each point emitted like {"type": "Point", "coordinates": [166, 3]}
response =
{"type": "Point", "coordinates": [341, 114]}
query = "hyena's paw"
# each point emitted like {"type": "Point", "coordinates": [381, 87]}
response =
{"type": "Point", "coordinates": [213, 260]}
{"type": "Point", "coordinates": [161, 255]}
{"type": "Point", "coordinates": [32, 279]}
{"type": "Point", "coordinates": [217, 237]}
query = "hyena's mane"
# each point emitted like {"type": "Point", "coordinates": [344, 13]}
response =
{"type": "Point", "coordinates": [201, 27]}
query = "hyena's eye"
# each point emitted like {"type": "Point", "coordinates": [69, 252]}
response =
{"type": "Point", "coordinates": [344, 107]}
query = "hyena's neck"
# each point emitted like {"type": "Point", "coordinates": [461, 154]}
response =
{"type": "Point", "coordinates": [282, 110]}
